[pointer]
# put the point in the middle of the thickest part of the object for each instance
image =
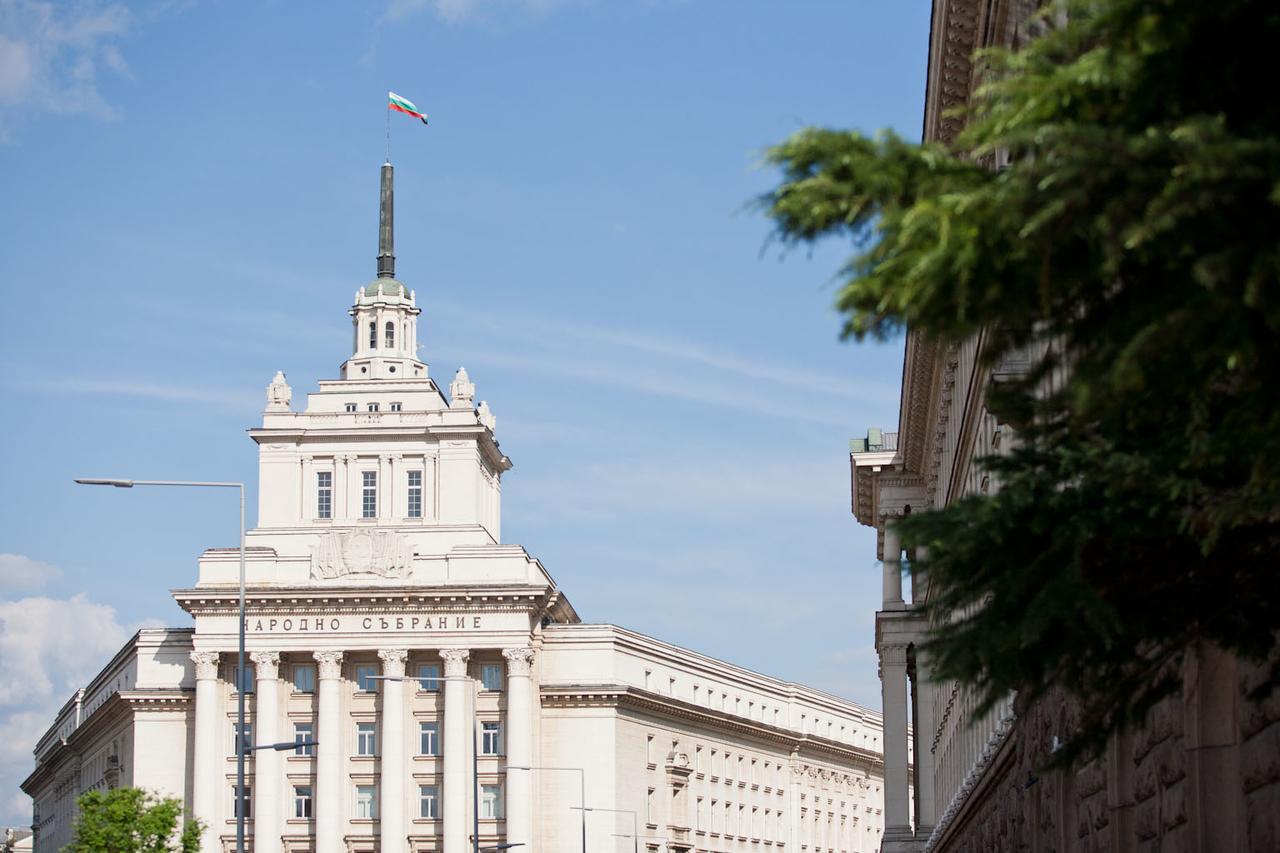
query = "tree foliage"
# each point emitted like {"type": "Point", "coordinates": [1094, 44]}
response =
{"type": "Point", "coordinates": [131, 820]}
{"type": "Point", "coordinates": [1133, 238]}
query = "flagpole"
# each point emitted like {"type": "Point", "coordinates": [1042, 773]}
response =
{"type": "Point", "coordinates": [388, 112]}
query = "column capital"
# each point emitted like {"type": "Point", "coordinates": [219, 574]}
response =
{"type": "Point", "coordinates": [455, 662]}
{"type": "Point", "coordinates": [330, 663]}
{"type": "Point", "coordinates": [393, 661]}
{"type": "Point", "coordinates": [206, 664]}
{"type": "Point", "coordinates": [893, 655]}
{"type": "Point", "coordinates": [267, 665]}
{"type": "Point", "coordinates": [519, 661]}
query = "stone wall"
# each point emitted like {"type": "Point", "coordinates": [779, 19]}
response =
{"type": "Point", "coordinates": [1203, 774]}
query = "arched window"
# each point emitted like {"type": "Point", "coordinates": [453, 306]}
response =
{"type": "Point", "coordinates": [373, 336]}
{"type": "Point", "coordinates": [391, 335]}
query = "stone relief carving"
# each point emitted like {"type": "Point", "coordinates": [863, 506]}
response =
{"type": "Point", "coordinates": [360, 552]}
{"type": "Point", "coordinates": [462, 391]}
{"type": "Point", "coordinates": [486, 417]}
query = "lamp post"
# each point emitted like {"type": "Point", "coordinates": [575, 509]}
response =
{"type": "Point", "coordinates": [582, 782]}
{"type": "Point", "coordinates": [635, 823]}
{"type": "Point", "coordinates": [240, 682]}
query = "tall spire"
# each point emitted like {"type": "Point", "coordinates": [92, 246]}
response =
{"type": "Point", "coordinates": [386, 228]}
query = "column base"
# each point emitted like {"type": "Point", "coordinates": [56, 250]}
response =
{"type": "Point", "coordinates": [901, 839]}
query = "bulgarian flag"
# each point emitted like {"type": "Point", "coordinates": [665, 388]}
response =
{"type": "Point", "coordinates": [404, 105]}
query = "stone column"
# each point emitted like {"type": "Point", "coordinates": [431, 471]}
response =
{"type": "Point", "coordinates": [926, 725]}
{"type": "Point", "coordinates": [457, 729]}
{"type": "Point", "coordinates": [391, 782]}
{"type": "Point", "coordinates": [893, 690]}
{"type": "Point", "coordinates": [267, 825]}
{"type": "Point", "coordinates": [206, 778]}
{"type": "Point", "coordinates": [331, 784]}
{"type": "Point", "coordinates": [892, 563]}
{"type": "Point", "coordinates": [519, 747]}
{"type": "Point", "coordinates": [794, 780]}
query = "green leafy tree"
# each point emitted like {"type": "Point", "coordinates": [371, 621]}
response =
{"type": "Point", "coordinates": [1131, 235]}
{"type": "Point", "coordinates": [131, 820]}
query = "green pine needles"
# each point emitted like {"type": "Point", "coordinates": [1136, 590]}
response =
{"type": "Point", "coordinates": [1129, 232]}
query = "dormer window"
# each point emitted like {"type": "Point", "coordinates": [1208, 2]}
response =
{"type": "Point", "coordinates": [351, 407]}
{"type": "Point", "coordinates": [391, 336]}
{"type": "Point", "coordinates": [373, 407]}
{"type": "Point", "coordinates": [373, 336]}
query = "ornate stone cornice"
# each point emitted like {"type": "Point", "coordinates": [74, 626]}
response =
{"type": "Point", "coordinates": [393, 661]}
{"type": "Point", "coordinates": [455, 662]}
{"type": "Point", "coordinates": [267, 665]}
{"type": "Point", "coordinates": [519, 661]}
{"type": "Point", "coordinates": [636, 699]}
{"type": "Point", "coordinates": [316, 599]}
{"type": "Point", "coordinates": [206, 665]}
{"type": "Point", "coordinates": [329, 663]}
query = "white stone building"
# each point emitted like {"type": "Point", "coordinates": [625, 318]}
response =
{"type": "Point", "coordinates": [378, 557]}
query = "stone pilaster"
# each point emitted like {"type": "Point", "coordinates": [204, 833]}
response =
{"type": "Point", "coordinates": [893, 690]}
{"type": "Point", "coordinates": [892, 565]}
{"type": "Point", "coordinates": [205, 780]}
{"type": "Point", "coordinates": [394, 830]}
{"type": "Point", "coordinates": [331, 784]}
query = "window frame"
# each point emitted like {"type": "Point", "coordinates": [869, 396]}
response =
{"type": "Point", "coordinates": [368, 494]}
{"type": "Point", "coordinates": [433, 798]}
{"type": "Point", "coordinates": [236, 741]}
{"type": "Point", "coordinates": [303, 804]}
{"type": "Point", "coordinates": [308, 668]}
{"type": "Point", "coordinates": [324, 494]}
{"type": "Point", "coordinates": [429, 735]}
{"type": "Point", "coordinates": [371, 802]}
{"type": "Point", "coordinates": [488, 668]}
{"type": "Point", "coordinates": [299, 737]}
{"type": "Point", "coordinates": [491, 738]}
{"type": "Point", "coordinates": [413, 496]}
{"type": "Point", "coordinates": [389, 335]}
{"type": "Point", "coordinates": [429, 684]}
{"type": "Point", "coordinates": [491, 802]}
{"type": "Point", "coordinates": [366, 739]}
{"type": "Point", "coordinates": [365, 677]}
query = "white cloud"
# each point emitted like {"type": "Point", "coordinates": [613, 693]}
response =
{"type": "Point", "coordinates": [21, 573]}
{"type": "Point", "coordinates": [51, 55]}
{"type": "Point", "coordinates": [49, 647]}
{"type": "Point", "coordinates": [144, 388]}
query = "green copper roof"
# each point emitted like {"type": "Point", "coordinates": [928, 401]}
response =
{"type": "Point", "coordinates": [390, 287]}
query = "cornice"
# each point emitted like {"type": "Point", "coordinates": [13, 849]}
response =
{"type": "Point", "coordinates": [225, 600]}
{"type": "Point", "coordinates": [953, 37]}
{"type": "Point", "coordinates": [624, 696]}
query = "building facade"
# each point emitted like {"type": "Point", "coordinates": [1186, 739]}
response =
{"type": "Point", "coordinates": [442, 692]}
{"type": "Point", "coordinates": [1201, 774]}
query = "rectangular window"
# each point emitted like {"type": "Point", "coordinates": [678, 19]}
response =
{"type": "Point", "coordinates": [369, 499]}
{"type": "Point", "coordinates": [304, 677]}
{"type": "Point", "coordinates": [396, 407]}
{"type": "Point", "coordinates": [415, 494]}
{"type": "Point", "coordinates": [365, 680]}
{"type": "Point", "coordinates": [428, 802]}
{"type": "Point", "coordinates": [236, 741]}
{"type": "Point", "coordinates": [324, 494]}
{"type": "Point", "coordinates": [491, 738]}
{"type": "Point", "coordinates": [366, 802]}
{"type": "Point", "coordinates": [429, 738]}
{"type": "Point", "coordinates": [491, 676]}
{"type": "Point", "coordinates": [491, 802]}
{"type": "Point", "coordinates": [428, 676]}
{"type": "Point", "coordinates": [304, 733]}
{"type": "Point", "coordinates": [350, 407]}
{"type": "Point", "coordinates": [648, 808]}
{"type": "Point", "coordinates": [366, 739]}
{"type": "Point", "coordinates": [302, 801]}
{"type": "Point", "coordinates": [244, 801]}
{"type": "Point", "coordinates": [373, 407]}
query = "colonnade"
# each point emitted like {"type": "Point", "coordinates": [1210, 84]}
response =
{"type": "Point", "coordinates": [332, 785]}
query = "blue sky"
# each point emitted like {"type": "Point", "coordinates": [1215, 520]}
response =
{"type": "Point", "coordinates": [189, 201]}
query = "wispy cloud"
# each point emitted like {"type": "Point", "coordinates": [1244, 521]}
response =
{"type": "Point", "coordinates": [52, 55]}
{"type": "Point", "coordinates": [21, 573]}
{"type": "Point", "coordinates": [144, 388]}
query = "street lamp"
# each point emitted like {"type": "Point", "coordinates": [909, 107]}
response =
{"type": "Point", "coordinates": [635, 823]}
{"type": "Point", "coordinates": [283, 746]}
{"type": "Point", "coordinates": [240, 681]}
{"type": "Point", "coordinates": [582, 781]}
